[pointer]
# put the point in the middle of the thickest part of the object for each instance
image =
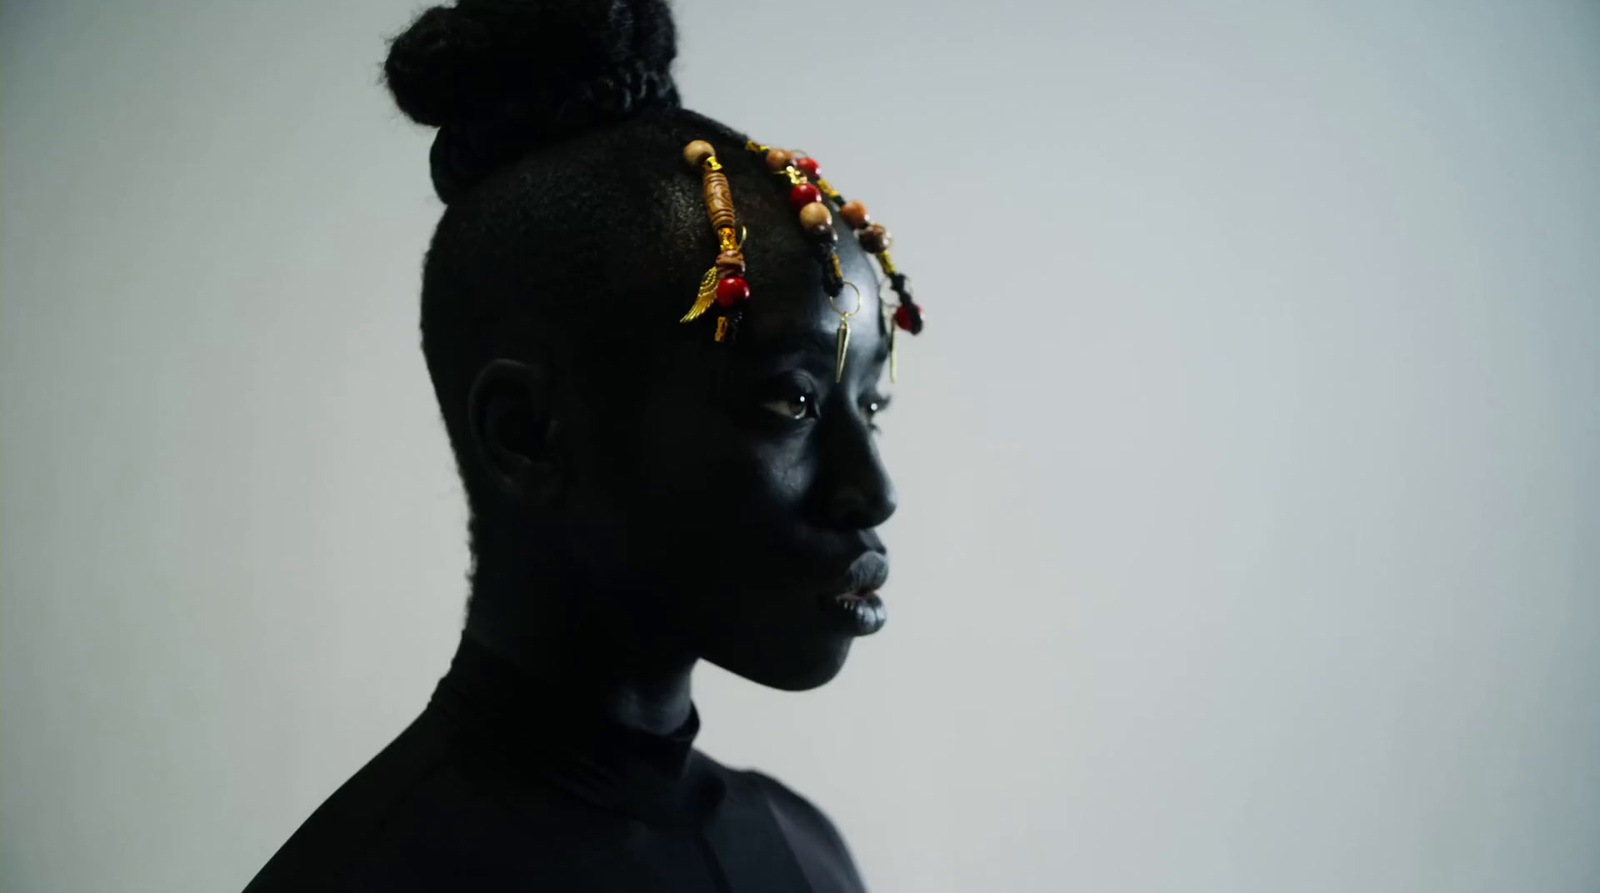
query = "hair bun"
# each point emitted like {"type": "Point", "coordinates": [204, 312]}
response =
{"type": "Point", "coordinates": [502, 77]}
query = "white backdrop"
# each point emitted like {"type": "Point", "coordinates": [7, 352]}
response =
{"type": "Point", "coordinates": [1249, 467]}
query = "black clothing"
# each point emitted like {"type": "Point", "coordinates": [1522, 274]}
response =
{"type": "Point", "coordinates": [502, 785]}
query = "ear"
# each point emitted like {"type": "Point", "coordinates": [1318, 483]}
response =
{"type": "Point", "coordinates": [513, 428]}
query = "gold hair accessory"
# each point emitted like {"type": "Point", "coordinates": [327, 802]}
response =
{"type": "Point", "coordinates": [843, 337]}
{"type": "Point", "coordinates": [807, 190]}
{"type": "Point", "coordinates": [724, 283]}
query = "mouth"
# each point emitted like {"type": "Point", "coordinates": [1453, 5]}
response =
{"type": "Point", "coordinates": [853, 606]}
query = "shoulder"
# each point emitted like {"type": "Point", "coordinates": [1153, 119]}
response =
{"type": "Point", "coordinates": [812, 834]}
{"type": "Point", "coordinates": [791, 806]}
{"type": "Point", "coordinates": [354, 817]}
{"type": "Point", "coordinates": [411, 818]}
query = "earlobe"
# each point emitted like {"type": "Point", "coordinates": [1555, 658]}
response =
{"type": "Point", "coordinates": [513, 429]}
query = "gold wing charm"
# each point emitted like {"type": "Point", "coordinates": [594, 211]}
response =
{"type": "Point", "coordinates": [706, 297]}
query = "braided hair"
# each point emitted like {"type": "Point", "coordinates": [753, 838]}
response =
{"type": "Point", "coordinates": [571, 222]}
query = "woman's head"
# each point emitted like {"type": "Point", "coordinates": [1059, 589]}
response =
{"type": "Point", "coordinates": [724, 494]}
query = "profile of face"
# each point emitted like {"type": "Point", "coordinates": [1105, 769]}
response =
{"type": "Point", "coordinates": [733, 499]}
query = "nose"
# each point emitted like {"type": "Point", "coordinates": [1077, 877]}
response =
{"type": "Point", "coordinates": [860, 508]}
{"type": "Point", "coordinates": [857, 493]}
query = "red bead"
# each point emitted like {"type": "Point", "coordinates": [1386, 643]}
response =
{"type": "Point", "coordinates": [809, 166]}
{"type": "Point", "coordinates": [904, 319]}
{"type": "Point", "coordinates": [732, 290]}
{"type": "Point", "coordinates": [804, 194]}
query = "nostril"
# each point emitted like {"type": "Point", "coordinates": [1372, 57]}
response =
{"type": "Point", "coordinates": [854, 508]}
{"type": "Point", "coordinates": [849, 503]}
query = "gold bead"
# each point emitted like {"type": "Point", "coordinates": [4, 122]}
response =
{"type": "Point", "coordinates": [697, 152]}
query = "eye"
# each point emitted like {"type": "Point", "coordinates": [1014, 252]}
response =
{"type": "Point", "coordinates": [871, 405]}
{"type": "Point", "coordinates": [798, 404]}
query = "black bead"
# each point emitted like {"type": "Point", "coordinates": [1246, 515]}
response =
{"type": "Point", "coordinates": [902, 287]}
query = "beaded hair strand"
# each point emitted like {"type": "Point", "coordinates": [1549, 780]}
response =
{"type": "Point", "coordinates": [723, 283]}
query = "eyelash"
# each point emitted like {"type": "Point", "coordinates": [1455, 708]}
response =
{"type": "Point", "coordinates": [872, 407]}
{"type": "Point", "coordinates": [807, 401]}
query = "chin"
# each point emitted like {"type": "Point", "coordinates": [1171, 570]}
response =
{"type": "Point", "coordinates": [795, 664]}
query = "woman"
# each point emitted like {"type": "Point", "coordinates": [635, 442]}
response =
{"type": "Point", "coordinates": [663, 463]}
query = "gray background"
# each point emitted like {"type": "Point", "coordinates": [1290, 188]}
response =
{"type": "Point", "coordinates": [1249, 466]}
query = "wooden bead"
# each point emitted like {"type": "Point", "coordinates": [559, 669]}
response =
{"type": "Point", "coordinates": [778, 159]}
{"type": "Point", "coordinates": [730, 263]}
{"type": "Point", "coordinates": [814, 215]}
{"type": "Point", "coordinates": [719, 200]}
{"type": "Point", "coordinates": [855, 214]}
{"type": "Point", "coordinates": [874, 238]}
{"type": "Point", "coordinates": [697, 152]}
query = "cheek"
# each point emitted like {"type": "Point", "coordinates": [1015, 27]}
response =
{"type": "Point", "coordinates": [737, 481]}
{"type": "Point", "coordinates": [713, 488]}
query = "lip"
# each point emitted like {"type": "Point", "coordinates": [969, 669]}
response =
{"type": "Point", "coordinates": [852, 605]}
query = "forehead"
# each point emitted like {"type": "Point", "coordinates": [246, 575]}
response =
{"type": "Point", "coordinates": [796, 316]}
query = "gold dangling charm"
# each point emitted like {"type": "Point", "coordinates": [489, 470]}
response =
{"type": "Point", "coordinates": [889, 326]}
{"type": "Point", "coordinates": [844, 348]}
{"type": "Point", "coordinates": [844, 331]}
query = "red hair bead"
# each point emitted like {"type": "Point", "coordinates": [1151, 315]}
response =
{"type": "Point", "coordinates": [732, 290]}
{"type": "Point", "coordinates": [809, 166]}
{"type": "Point", "coordinates": [904, 319]}
{"type": "Point", "coordinates": [804, 194]}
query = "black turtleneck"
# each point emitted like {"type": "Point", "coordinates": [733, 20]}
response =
{"type": "Point", "coordinates": [504, 783]}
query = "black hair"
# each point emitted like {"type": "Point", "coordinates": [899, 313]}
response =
{"type": "Point", "coordinates": [572, 221]}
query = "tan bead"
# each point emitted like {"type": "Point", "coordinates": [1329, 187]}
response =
{"type": "Point", "coordinates": [854, 213]}
{"type": "Point", "coordinates": [778, 159]}
{"type": "Point", "coordinates": [697, 152]}
{"type": "Point", "coordinates": [730, 262]}
{"type": "Point", "coordinates": [814, 215]}
{"type": "Point", "coordinates": [719, 199]}
{"type": "Point", "coordinates": [874, 238]}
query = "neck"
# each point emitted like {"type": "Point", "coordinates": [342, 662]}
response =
{"type": "Point", "coordinates": [592, 643]}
